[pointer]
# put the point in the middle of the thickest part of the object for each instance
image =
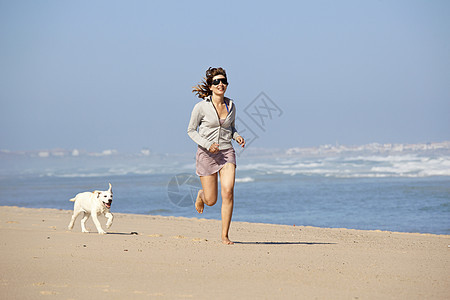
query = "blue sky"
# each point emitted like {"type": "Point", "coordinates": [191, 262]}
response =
{"type": "Point", "coordinates": [98, 75]}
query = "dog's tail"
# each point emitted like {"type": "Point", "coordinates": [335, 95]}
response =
{"type": "Point", "coordinates": [72, 200]}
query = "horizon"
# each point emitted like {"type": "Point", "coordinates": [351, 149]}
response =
{"type": "Point", "coordinates": [385, 147]}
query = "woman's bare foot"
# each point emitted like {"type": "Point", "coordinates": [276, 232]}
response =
{"type": "Point", "coordinates": [199, 205]}
{"type": "Point", "coordinates": [226, 241]}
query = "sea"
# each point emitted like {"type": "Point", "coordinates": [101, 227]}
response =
{"type": "Point", "coordinates": [389, 187]}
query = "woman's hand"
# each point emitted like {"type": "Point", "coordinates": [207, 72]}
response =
{"type": "Point", "coordinates": [214, 148]}
{"type": "Point", "coordinates": [241, 141]}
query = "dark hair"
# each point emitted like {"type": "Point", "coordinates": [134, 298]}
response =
{"type": "Point", "coordinates": [202, 89]}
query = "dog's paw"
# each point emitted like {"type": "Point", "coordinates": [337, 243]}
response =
{"type": "Point", "coordinates": [85, 231]}
{"type": "Point", "coordinates": [102, 232]}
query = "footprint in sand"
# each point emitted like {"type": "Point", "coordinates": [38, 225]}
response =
{"type": "Point", "coordinates": [155, 235]}
{"type": "Point", "coordinates": [199, 240]}
{"type": "Point", "coordinates": [48, 293]}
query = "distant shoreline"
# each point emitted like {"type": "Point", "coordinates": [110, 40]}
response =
{"type": "Point", "coordinates": [327, 149]}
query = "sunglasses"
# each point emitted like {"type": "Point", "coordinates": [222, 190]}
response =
{"type": "Point", "coordinates": [217, 81]}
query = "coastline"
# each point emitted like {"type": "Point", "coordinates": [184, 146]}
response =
{"type": "Point", "coordinates": [183, 258]}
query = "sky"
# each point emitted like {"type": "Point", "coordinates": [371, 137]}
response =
{"type": "Point", "coordinates": [97, 75]}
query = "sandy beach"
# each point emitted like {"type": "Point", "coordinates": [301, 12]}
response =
{"type": "Point", "coordinates": [181, 258]}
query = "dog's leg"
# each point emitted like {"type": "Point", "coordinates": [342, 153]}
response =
{"type": "Point", "coordinates": [74, 217]}
{"type": "Point", "coordinates": [110, 219]}
{"type": "Point", "coordinates": [83, 222]}
{"type": "Point", "coordinates": [97, 223]}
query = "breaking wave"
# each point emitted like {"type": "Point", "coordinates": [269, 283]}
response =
{"type": "Point", "coordinates": [357, 167]}
{"type": "Point", "coordinates": [369, 161]}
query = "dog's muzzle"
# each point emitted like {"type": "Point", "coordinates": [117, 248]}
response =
{"type": "Point", "coordinates": [108, 204]}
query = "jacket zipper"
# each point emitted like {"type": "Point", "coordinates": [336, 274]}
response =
{"type": "Point", "coordinates": [218, 119]}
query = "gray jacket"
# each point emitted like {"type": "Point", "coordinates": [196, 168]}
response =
{"type": "Point", "coordinates": [205, 118]}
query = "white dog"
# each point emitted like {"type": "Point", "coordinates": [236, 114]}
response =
{"type": "Point", "coordinates": [93, 203]}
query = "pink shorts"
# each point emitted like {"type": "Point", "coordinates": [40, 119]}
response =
{"type": "Point", "coordinates": [208, 163]}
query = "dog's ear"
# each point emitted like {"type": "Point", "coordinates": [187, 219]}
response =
{"type": "Point", "coordinates": [97, 192]}
{"type": "Point", "coordinates": [110, 188]}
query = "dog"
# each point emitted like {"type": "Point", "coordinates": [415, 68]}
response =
{"type": "Point", "coordinates": [93, 203]}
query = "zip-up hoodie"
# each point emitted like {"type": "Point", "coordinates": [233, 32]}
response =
{"type": "Point", "coordinates": [205, 118]}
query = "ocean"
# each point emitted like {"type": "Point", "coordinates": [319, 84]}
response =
{"type": "Point", "coordinates": [403, 188]}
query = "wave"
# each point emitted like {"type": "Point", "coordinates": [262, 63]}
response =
{"type": "Point", "coordinates": [350, 165]}
{"type": "Point", "coordinates": [357, 167]}
{"type": "Point", "coordinates": [245, 179]}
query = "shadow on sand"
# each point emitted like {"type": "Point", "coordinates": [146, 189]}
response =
{"type": "Point", "coordinates": [124, 233]}
{"type": "Point", "coordinates": [283, 243]}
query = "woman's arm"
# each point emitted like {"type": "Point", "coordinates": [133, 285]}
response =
{"type": "Point", "coordinates": [194, 122]}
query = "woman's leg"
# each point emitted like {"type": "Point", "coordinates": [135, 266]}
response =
{"type": "Point", "coordinates": [227, 178]}
{"type": "Point", "coordinates": [208, 195]}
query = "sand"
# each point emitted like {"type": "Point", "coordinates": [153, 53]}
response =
{"type": "Point", "coordinates": [181, 258]}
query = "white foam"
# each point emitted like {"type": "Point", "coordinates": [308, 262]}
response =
{"type": "Point", "coordinates": [345, 165]}
{"type": "Point", "coordinates": [245, 179]}
{"type": "Point", "coordinates": [371, 166]}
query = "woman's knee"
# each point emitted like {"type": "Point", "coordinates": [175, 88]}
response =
{"type": "Point", "coordinates": [209, 185]}
{"type": "Point", "coordinates": [227, 193]}
{"type": "Point", "coordinates": [209, 198]}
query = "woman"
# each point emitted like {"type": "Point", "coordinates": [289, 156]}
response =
{"type": "Point", "coordinates": [212, 128]}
